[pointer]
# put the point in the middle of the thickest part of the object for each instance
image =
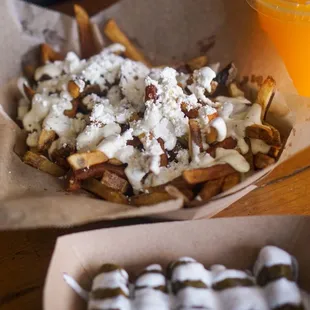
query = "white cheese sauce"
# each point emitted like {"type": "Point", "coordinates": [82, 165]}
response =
{"type": "Point", "coordinates": [121, 102]}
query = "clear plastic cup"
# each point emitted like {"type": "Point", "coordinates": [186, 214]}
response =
{"type": "Point", "coordinates": [287, 23]}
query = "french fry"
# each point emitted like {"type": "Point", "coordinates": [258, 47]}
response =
{"type": "Point", "coordinates": [77, 102]}
{"type": "Point", "coordinates": [59, 155]}
{"type": "Point", "coordinates": [114, 33]}
{"type": "Point", "coordinates": [265, 95]}
{"type": "Point", "coordinates": [163, 157]}
{"type": "Point", "coordinates": [72, 183]}
{"type": "Point", "coordinates": [277, 142]}
{"type": "Point", "coordinates": [88, 44]}
{"type": "Point", "coordinates": [234, 90]}
{"type": "Point", "coordinates": [115, 162]}
{"type": "Point", "coordinates": [84, 160]}
{"type": "Point", "coordinates": [98, 170]}
{"type": "Point", "coordinates": [268, 134]}
{"type": "Point", "coordinates": [29, 92]}
{"type": "Point", "coordinates": [114, 182]}
{"type": "Point", "coordinates": [96, 187]}
{"type": "Point", "coordinates": [228, 144]}
{"type": "Point", "coordinates": [178, 183]}
{"type": "Point", "coordinates": [211, 189]}
{"type": "Point", "coordinates": [227, 75]}
{"type": "Point", "coordinates": [34, 150]}
{"type": "Point", "coordinates": [150, 199]}
{"type": "Point", "coordinates": [29, 71]}
{"type": "Point", "coordinates": [262, 161]}
{"type": "Point", "coordinates": [230, 181]}
{"type": "Point", "coordinates": [192, 113]}
{"type": "Point", "coordinates": [194, 136]}
{"type": "Point", "coordinates": [176, 193]}
{"type": "Point", "coordinates": [42, 163]}
{"type": "Point", "coordinates": [48, 54]}
{"type": "Point", "coordinates": [211, 135]}
{"type": "Point", "coordinates": [213, 116]}
{"type": "Point", "coordinates": [73, 89]}
{"type": "Point", "coordinates": [45, 139]}
{"type": "Point", "coordinates": [197, 63]}
{"type": "Point", "coordinates": [202, 175]}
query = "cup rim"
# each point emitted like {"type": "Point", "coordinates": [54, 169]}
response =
{"type": "Point", "coordinates": [288, 7]}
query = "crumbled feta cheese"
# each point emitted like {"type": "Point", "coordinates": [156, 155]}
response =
{"type": "Point", "coordinates": [132, 76]}
{"type": "Point", "coordinates": [120, 114]}
{"type": "Point", "coordinates": [32, 139]}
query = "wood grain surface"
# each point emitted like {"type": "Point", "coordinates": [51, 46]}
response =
{"type": "Point", "coordinates": [24, 255]}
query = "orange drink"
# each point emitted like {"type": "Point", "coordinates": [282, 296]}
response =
{"type": "Point", "coordinates": [287, 23]}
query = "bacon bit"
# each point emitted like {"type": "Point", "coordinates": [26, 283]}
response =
{"type": "Point", "coordinates": [150, 92]}
{"type": "Point", "coordinates": [71, 113]}
{"type": "Point", "coordinates": [164, 157]}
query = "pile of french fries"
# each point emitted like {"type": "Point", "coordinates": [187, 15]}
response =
{"type": "Point", "coordinates": [105, 177]}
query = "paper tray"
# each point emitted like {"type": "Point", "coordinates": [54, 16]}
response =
{"type": "Point", "coordinates": [232, 242]}
{"type": "Point", "coordinates": [180, 30]}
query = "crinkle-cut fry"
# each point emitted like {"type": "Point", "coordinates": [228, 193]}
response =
{"type": "Point", "coordinates": [194, 137]}
{"type": "Point", "coordinates": [230, 181]}
{"type": "Point", "coordinates": [197, 62]}
{"type": "Point", "coordinates": [114, 33]}
{"type": "Point", "coordinates": [202, 175]}
{"type": "Point", "coordinates": [84, 160]}
{"type": "Point", "coordinates": [49, 55]}
{"type": "Point", "coordinates": [228, 144]}
{"type": "Point", "coordinates": [265, 95]}
{"type": "Point", "coordinates": [29, 92]}
{"type": "Point", "coordinates": [73, 89]}
{"type": "Point", "coordinates": [262, 161]}
{"type": "Point", "coordinates": [211, 135]}
{"type": "Point", "coordinates": [211, 189]}
{"type": "Point", "coordinates": [88, 44]}
{"type": "Point", "coordinates": [42, 163]}
{"type": "Point", "coordinates": [45, 139]}
{"type": "Point", "coordinates": [234, 90]}
{"type": "Point", "coordinates": [150, 199]}
{"type": "Point", "coordinates": [163, 157]}
{"type": "Point", "coordinates": [96, 187]}
{"type": "Point", "coordinates": [115, 182]}
{"type": "Point", "coordinates": [268, 134]}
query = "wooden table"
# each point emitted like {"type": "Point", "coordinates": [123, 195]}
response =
{"type": "Point", "coordinates": [25, 255]}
